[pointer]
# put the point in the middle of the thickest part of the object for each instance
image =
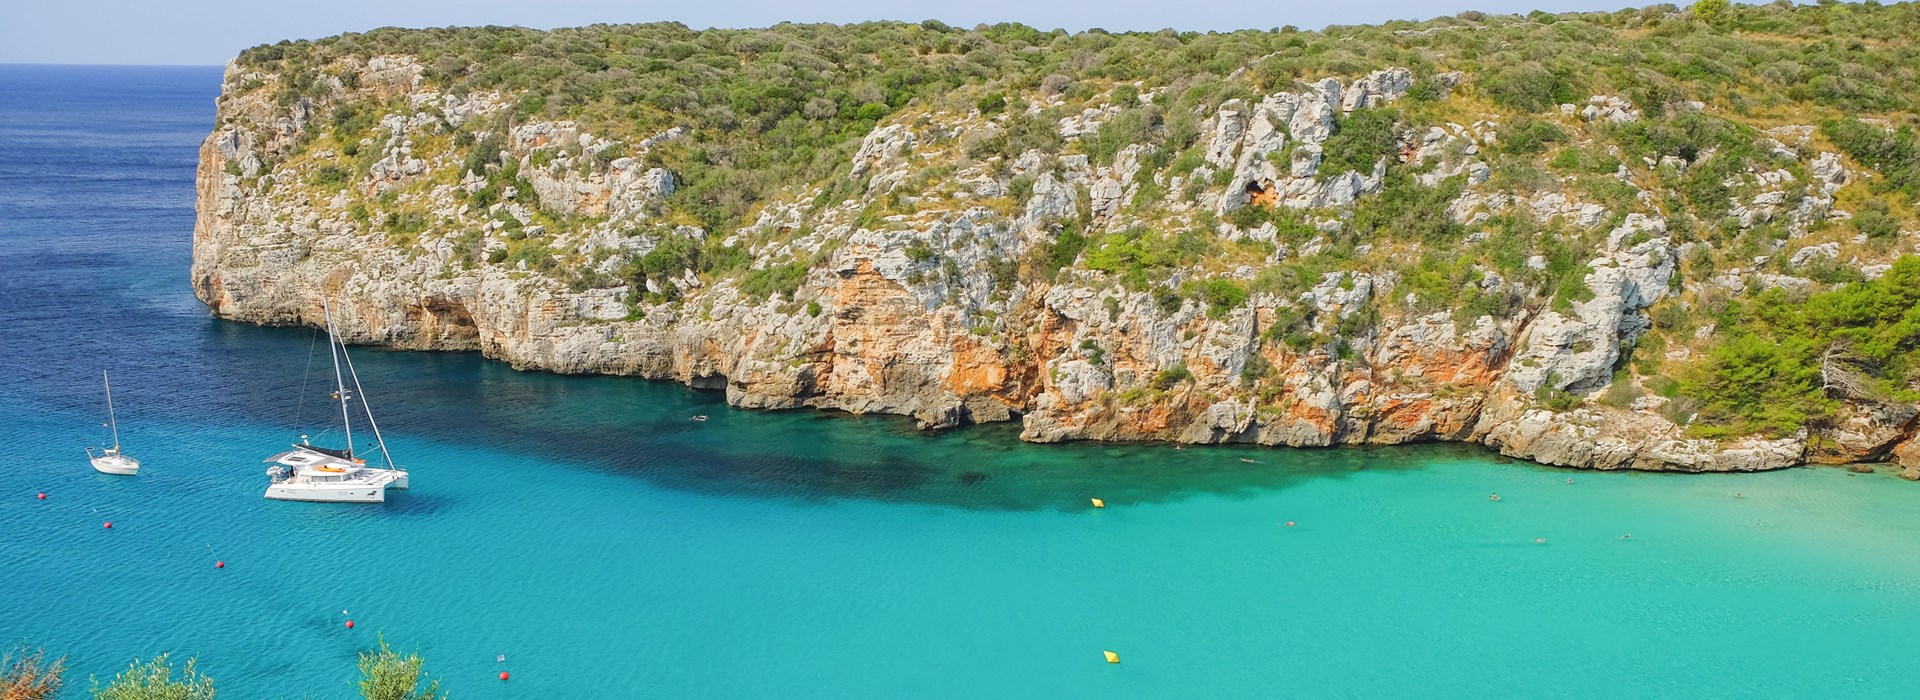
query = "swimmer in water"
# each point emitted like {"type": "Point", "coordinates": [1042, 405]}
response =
{"type": "Point", "coordinates": [1539, 540]}
{"type": "Point", "coordinates": [1569, 479]}
{"type": "Point", "coordinates": [1493, 497]}
{"type": "Point", "coordinates": [1627, 536]}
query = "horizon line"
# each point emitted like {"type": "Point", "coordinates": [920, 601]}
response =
{"type": "Point", "coordinates": [111, 65]}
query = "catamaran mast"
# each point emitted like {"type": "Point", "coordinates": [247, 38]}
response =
{"type": "Point", "coordinates": [111, 420]}
{"type": "Point", "coordinates": [339, 384]}
{"type": "Point", "coordinates": [366, 407]}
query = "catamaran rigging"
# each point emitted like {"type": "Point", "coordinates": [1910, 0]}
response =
{"type": "Point", "coordinates": [312, 473]}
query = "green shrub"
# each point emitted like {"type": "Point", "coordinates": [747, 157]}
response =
{"type": "Point", "coordinates": [1875, 220]}
{"type": "Point", "coordinates": [1221, 295]}
{"type": "Point", "coordinates": [783, 280]}
{"type": "Point", "coordinates": [1556, 399]}
{"type": "Point", "coordinates": [1525, 87]}
{"type": "Point", "coordinates": [1063, 251]}
{"type": "Point", "coordinates": [153, 680]}
{"type": "Point", "coordinates": [1408, 211]}
{"type": "Point", "coordinates": [1713, 12]}
{"type": "Point", "coordinates": [1685, 136]}
{"type": "Point", "coordinates": [1622, 392]}
{"type": "Point", "coordinates": [1360, 139]}
{"type": "Point", "coordinates": [329, 176]}
{"type": "Point", "coordinates": [1168, 378]}
{"type": "Point", "coordinates": [1135, 125]}
{"type": "Point", "coordinates": [1896, 155]}
{"type": "Point", "coordinates": [1095, 354]}
{"type": "Point", "coordinates": [1531, 137]}
{"type": "Point", "coordinates": [387, 675]}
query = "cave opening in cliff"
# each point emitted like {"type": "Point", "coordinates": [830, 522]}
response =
{"type": "Point", "coordinates": [1262, 193]}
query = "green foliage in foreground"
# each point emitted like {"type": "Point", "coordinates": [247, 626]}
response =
{"type": "Point", "coordinates": [387, 675]}
{"type": "Point", "coordinates": [153, 680]}
{"type": "Point", "coordinates": [28, 675]}
{"type": "Point", "coordinates": [1765, 374]}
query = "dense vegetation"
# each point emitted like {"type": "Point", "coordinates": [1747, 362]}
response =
{"type": "Point", "coordinates": [784, 105]}
{"type": "Point", "coordinates": [1787, 359]}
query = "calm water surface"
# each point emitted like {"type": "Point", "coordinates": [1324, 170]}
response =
{"type": "Point", "coordinates": [611, 548]}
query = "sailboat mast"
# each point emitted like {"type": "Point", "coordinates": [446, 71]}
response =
{"type": "Point", "coordinates": [339, 384]}
{"type": "Point", "coordinates": [111, 420]}
{"type": "Point", "coordinates": [366, 407]}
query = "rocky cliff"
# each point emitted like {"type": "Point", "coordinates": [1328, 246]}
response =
{"type": "Point", "coordinates": [1391, 256]}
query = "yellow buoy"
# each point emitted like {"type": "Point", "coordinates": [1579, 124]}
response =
{"type": "Point", "coordinates": [1112, 658]}
{"type": "Point", "coordinates": [1097, 503]}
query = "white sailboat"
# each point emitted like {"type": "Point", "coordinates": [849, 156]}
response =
{"type": "Point", "coordinates": [111, 460]}
{"type": "Point", "coordinates": [312, 473]}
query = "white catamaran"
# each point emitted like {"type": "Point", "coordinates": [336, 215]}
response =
{"type": "Point", "coordinates": [310, 473]}
{"type": "Point", "coordinates": [111, 460]}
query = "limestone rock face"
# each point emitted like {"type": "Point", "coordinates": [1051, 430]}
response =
{"type": "Point", "coordinates": [918, 293]}
{"type": "Point", "coordinates": [1577, 351]}
{"type": "Point", "coordinates": [1907, 455]}
{"type": "Point", "coordinates": [1376, 89]}
{"type": "Point", "coordinates": [1245, 139]}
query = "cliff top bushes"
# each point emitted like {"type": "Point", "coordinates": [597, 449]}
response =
{"type": "Point", "coordinates": [787, 104]}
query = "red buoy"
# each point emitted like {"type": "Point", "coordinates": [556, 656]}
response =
{"type": "Point", "coordinates": [109, 525]}
{"type": "Point", "coordinates": [503, 675]}
{"type": "Point", "coordinates": [219, 565]}
{"type": "Point", "coordinates": [349, 624]}
{"type": "Point", "coordinates": [43, 495]}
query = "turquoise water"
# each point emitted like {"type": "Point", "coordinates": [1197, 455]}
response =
{"type": "Point", "coordinates": [611, 548]}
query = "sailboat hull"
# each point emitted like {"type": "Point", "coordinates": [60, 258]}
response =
{"type": "Point", "coordinates": [328, 493]}
{"type": "Point", "coordinates": [115, 464]}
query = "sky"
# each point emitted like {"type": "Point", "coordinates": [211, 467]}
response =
{"type": "Point", "coordinates": [208, 32]}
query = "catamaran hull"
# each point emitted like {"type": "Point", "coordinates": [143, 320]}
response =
{"type": "Point", "coordinates": [123, 466]}
{"type": "Point", "coordinates": [315, 494]}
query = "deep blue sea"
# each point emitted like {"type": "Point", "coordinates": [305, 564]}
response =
{"type": "Point", "coordinates": [611, 548]}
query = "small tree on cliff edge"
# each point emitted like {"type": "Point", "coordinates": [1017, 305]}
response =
{"type": "Point", "coordinates": [27, 675]}
{"type": "Point", "coordinates": [386, 675]}
{"type": "Point", "coordinates": [1713, 12]}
